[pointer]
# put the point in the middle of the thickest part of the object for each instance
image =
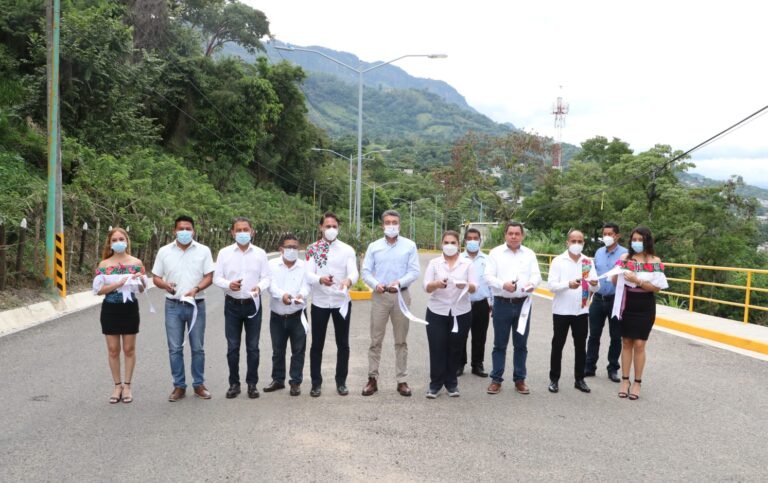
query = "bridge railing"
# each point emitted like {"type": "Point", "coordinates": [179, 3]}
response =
{"type": "Point", "coordinates": [741, 284]}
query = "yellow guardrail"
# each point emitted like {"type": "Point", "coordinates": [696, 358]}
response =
{"type": "Point", "coordinates": [692, 283]}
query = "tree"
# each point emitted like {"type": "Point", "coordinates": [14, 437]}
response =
{"type": "Point", "coordinates": [222, 21]}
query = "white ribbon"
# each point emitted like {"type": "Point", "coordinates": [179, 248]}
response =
{"type": "Point", "coordinates": [522, 322]}
{"type": "Point", "coordinates": [464, 291]}
{"type": "Point", "coordinates": [256, 303]}
{"type": "Point", "coordinates": [190, 300]}
{"type": "Point", "coordinates": [304, 321]}
{"type": "Point", "coordinates": [404, 309]}
{"type": "Point", "coordinates": [344, 309]}
{"type": "Point", "coordinates": [132, 286]}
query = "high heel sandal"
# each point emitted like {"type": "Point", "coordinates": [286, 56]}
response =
{"type": "Point", "coordinates": [128, 399]}
{"type": "Point", "coordinates": [632, 396]}
{"type": "Point", "coordinates": [624, 394]}
{"type": "Point", "coordinates": [117, 399]}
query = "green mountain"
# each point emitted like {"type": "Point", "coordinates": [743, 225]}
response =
{"type": "Point", "coordinates": [748, 191]}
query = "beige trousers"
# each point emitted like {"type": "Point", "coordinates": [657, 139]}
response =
{"type": "Point", "coordinates": [384, 307]}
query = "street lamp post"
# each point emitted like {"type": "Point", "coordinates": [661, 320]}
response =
{"type": "Point", "coordinates": [412, 231]}
{"type": "Point", "coordinates": [360, 71]}
{"type": "Point", "coordinates": [349, 158]}
{"type": "Point", "coordinates": [373, 204]}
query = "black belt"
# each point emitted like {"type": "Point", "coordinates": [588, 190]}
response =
{"type": "Point", "coordinates": [506, 300]}
{"type": "Point", "coordinates": [402, 289]}
{"type": "Point", "coordinates": [603, 297]}
{"type": "Point", "coordinates": [248, 301]}
{"type": "Point", "coordinates": [176, 301]}
{"type": "Point", "coordinates": [287, 316]}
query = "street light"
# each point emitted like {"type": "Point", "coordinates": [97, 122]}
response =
{"type": "Point", "coordinates": [360, 71]}
{"type": "Point", "coordinates": [349, 158]}
{"type": "Point", "coordinates": [373, 204]}
{"type": "Point", "coordinates": [412, 230]}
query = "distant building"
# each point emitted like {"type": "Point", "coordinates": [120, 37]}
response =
{"type": "Point", "coordinates": [408, 171]}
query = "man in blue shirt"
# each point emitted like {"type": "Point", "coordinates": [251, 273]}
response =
{"type": "Point", "coordinates": [482, 301]}
{"type": "Point", "coordinates": [602, 304]}
{"type": "Point", "coordinates": [390, 262]}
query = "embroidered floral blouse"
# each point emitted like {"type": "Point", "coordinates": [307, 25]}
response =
{"type": "Point", "coordinates": [112, 274]}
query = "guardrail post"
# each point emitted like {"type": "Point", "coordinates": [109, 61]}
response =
{"type": "Point", "coordinates": [746, 296]}
{"type": "Point", "coordinates": [20, 250]}
{"type": "Point", "coordinates": [2, 255]}
{"type": "Point", "coordinates": [693, 284]}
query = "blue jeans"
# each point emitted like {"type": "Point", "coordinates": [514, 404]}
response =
{"type": "Point", "coordinates": [178, 316]}
{"type": "Point", "coordinates": [599, 310]}
{"type": "Point", "coordinates": [235, 319]}
{"type": "Point", "coordinates": [282, 329]}
{"type": "Point", "coordinates": [505, 317]}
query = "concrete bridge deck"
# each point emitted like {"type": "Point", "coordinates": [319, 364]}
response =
{"type": "Point", "coordinates": [701, 416]}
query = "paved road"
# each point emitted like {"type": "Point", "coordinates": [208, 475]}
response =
{"type": "Point", "coordinates": [702, 416]}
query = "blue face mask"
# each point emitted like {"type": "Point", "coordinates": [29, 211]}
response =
{"type": "Point", "coordinates": [243, 237]}
{"type": "Point", "coordinates": [119, 247]}
{"type": "Point", "coordinates": [637, 247]}
{"type": "Point", "coordinates": [473, 246]}
{"type": "Point", "coordinates": [184, 237]}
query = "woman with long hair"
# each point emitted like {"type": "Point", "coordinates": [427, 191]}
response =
{"type": "Point", "coordinates": [635, 305]}
{"type": "Point", "coordinates": [119, 277]}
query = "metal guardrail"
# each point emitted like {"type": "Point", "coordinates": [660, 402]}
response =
{"type": "Point", "coordinates": [692, 283]}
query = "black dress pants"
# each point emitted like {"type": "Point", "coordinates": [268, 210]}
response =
{"type": "Point", "coordinates": [579, 325]}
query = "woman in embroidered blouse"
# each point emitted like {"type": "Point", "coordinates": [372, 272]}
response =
{"type": "Point", "coordinates": [635, 304]}
{"type": "Point", "coordinates": [448, 309]}
{"type": "Point", "coordinates": [119, 277]}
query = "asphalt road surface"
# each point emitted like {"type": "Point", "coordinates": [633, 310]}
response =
{"type": "Point", "coordinates": [703, 414]}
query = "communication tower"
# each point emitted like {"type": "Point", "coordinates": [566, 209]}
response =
{"type": "Point", "coordinates": [559, 110]}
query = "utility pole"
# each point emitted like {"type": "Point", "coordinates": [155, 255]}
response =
{"type": "Point", "coordinates": [55, 278]}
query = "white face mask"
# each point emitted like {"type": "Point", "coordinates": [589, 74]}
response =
{"type": "Point", "coordinates": [450, 250]}
{"type": "Point", "coordinates": [576, 248]}
{"type": "Point", "coordinates": [608, 240]}
{"type": "Point", "coordinates": [392, 230]}
{"type": "Point", "coordinates": [290, 254]}
{"type": "Point", "coordinates": [331, 234]}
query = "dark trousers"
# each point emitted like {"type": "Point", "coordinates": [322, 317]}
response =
{"type": "Point", "coordinates": [479, 329]}
{"type": "Point", "coordinates": [320, 318]}
{"type": "Point", "coordinates": [282, 329]}
{"type": "Point", "coordinates": [599, 310]}
{"type": "Point", "coordinates": [445, 348]}
{"type": "Point", "coordinates": [235, 319]}
{"type": "Point", "coordinates": [578, 325]}
{"type": "Point", "coordinates": [505, 318]}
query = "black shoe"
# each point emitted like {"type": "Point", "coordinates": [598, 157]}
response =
{"type": "Point", "coordinates": [479, 371]}
{"type": "Point", "coordinates": [460, 370]}
{"type": "Point", "coordinates": [253, 391]}
{"type": "Point", "coordinates": [553, 386]}
{"type": "Point", "coordinates": [295, 390]}
{"type": "Point", "coordinates": [342, 390]}
{"type": "Point", "coordinates": [233, 391]}
{"type": "Point", "coordinates": [589, 373]}
{"type": "Point", "coordinates": [274, 386]}
{"type": "Point", "coordinates": [614, 376]}
{"type": "Point", "coordinates": [315, 392]}
{"type": "Point", "coordinates": [581, 386]}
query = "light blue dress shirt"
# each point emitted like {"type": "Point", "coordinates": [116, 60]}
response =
{"type": "Point", "coordinates": [483, 291]}
{"type": "Point", "coordinates": [384, 263]}
{"type": "Point", "coordinates": [604, 261]}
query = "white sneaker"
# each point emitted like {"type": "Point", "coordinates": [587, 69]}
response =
{"type": "Point", "coordinates": [432, 394]}
{"type": "Point", "coordinates": [454, 392]}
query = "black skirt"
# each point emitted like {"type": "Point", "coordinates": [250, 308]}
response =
{"type": "Point", "coordinates": [639, 315]}
{"type": "Point", "coordinates": [120, 318]}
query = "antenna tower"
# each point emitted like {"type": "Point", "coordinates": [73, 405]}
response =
{"type": "Point", "coordinates": [559, 110]}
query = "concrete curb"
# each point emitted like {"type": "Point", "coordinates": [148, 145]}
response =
{"type": "Point", "coordinates": [25, 317]}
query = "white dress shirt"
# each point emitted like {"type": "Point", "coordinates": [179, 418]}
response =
{"type": "Point", "coordinates": [503, 265]}
{"type": "Point", "coordinates": [289, 281]}
{"type": "Point", "coordinates": [567, 301]}
{"type": "Point", "coordinates": [445, 301]}
{"type": "Point", "coordinates": [185, 268]}
{"type": "Point", "coordinates": [339, 261]}
{"type": "Point", "coordinates": [234, 264]}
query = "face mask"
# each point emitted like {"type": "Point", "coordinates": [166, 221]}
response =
{"type": "Point", "coordinates": [119, 247]}
{"type": "Point", "coordinates": [576, 248]}
{"type": "Point", "coordinates": [392, 230]}
{"type": "Point", "coordinates": [290, 254]}
{"type": "Point", "coordinates": [184, 237]}
{"type": "Point", "coordinates": [473, 246]}
{"type": "Point", "coordinates": [243, 238]}
{"type": "Point", "coordinates": [637, 246]}
{"type": "Point", "coordinates": [331, 234]}
{"type": "Point", "coordinates": [450, 250]}
{"type": "Point", "coordinates": [608, 240]}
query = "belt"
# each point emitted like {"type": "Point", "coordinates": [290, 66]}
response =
{"type": "Point", "coordinates": [248, 301]}
{"type": "Point", "coordinates": [481, 301]}
{"type": "Point", "coordinates": [516, 301]}
{"type": "Point", "coordinates": [288, 316]}
{"type": "Point", "coordinates": [603, 297]}
{"type": "Point", "coordinates": [402, 289]}
{"type": "Point", "coordinates": [176, 301]}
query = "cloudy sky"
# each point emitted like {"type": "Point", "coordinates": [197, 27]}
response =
{"type": "Point", "coordinates": [669, 72]}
